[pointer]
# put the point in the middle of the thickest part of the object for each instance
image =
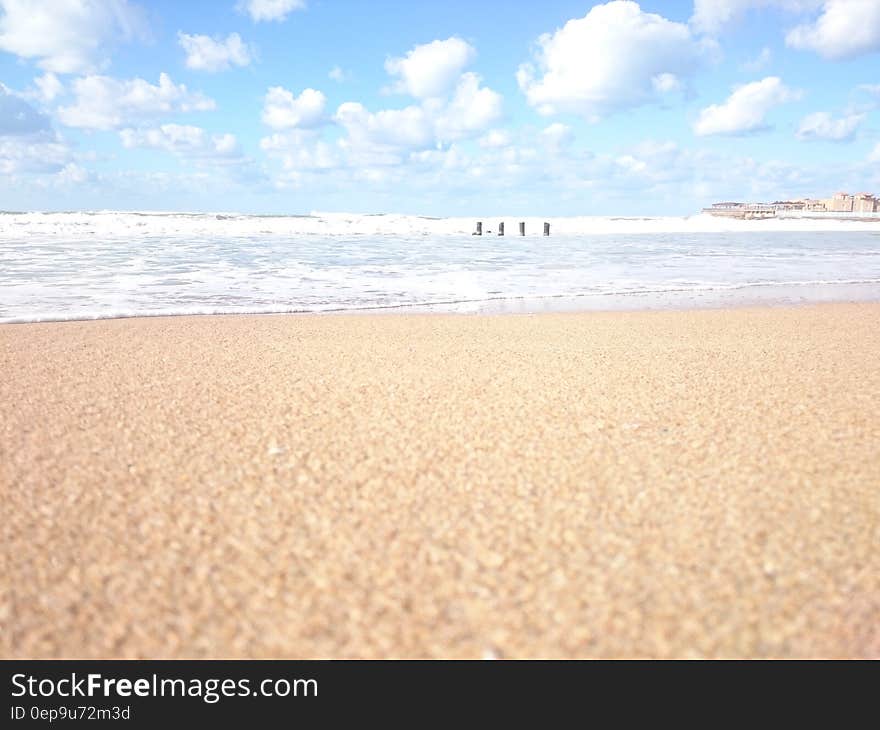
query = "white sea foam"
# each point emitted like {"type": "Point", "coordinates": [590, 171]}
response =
{"type": "Point", "coordinates": [86, 265]}
{"type": "Point", "coordinates": [147, 223]}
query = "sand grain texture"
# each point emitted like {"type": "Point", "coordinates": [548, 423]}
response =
{"type": "Point", "coordinates": [702, 483]}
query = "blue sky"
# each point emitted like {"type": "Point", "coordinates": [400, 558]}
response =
{"type": "Point", "coordinates": [436, 108]}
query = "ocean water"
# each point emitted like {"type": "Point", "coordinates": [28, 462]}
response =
{"type": "Point", "coordinates": [58, 266]}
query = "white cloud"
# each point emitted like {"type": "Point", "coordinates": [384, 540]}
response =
{"type": "Point", "coordinates": [467, 113]}
{"type": "Point", "coordinates": [557, 135]}
{"type": "Point", "coordinates": [182, 140]}
{"type": "Point", "coordinates": [473, 108]}
{"type": "Point", "coordinates": [432, 69]}
{"type": "Point", "coordinates": [615, 57]}
{"type": "Point", "coordinates": [67, 36]}
{"type": "Point", "coordinates": [375, 145]}
{"type": "Point", "coordinates": [48, 87]}
{"type": "Point", "coordinates": [666, 83]}
{"type": "Point", "coordinates": [283, 141]}
{"type": "Point", "coordinates": [225, 144]}
{"type": "Point", "coordinates": [204, 53]}
{"type": "Point", "coordinates": [408, 128]}
{"type": "Point", "coordinates": [846, 28]}
{"type": "Point", "coordinates": [495, 138]}
{"type": "Point", "coordinates": [745, 109]}
{"type": "Point", "coordinates": [39, 155]}
{"type": "Point", "coordinates": [267, 10]}
{"type": "Point", "coordinates": [632, 164]}
{"type": "Point", "coordinates": [822, 125]}
{"type": "Point", "coordinates": [374, 141]}
{"type": "Point", "coordinates": [301, 150]}
{"type": "Point", "coordinates": [72, 174]}
{"type": "Point", "coordinates": [519, 166]}
{"type": "Point", "coordinates": [875, 154]}
{"type": "Point", "coordinates": [337, 74]}
{"type": "Point", "coordinates": [220, 153]}
{"type": "Point", "coordinates": [283, 110]}
{"type": "Point", "coordinates": [710, 16]}
{"type": "Point", "coordinates": [103, 102]}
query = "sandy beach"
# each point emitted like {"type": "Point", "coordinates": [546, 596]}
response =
{"type": "Point", "coordinates": [629, 484]}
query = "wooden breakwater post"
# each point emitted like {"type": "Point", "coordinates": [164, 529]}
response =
{"type": "Point", "coordinates": [501, 228]}
{"type": "Point", "coordinates": [479, 231]}
{"type": "Point", "coordinates": [546, 229]}
{"type": "Point", "coordinates": [522, 228]}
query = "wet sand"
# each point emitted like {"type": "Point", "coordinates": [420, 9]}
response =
{"type": "Point", "coordinates": [629, 484]}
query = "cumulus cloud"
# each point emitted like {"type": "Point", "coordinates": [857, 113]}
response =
{"type": "Point", "coordinates": [615, 57]}
{"type": "Point", "coordinates": [745, 109]}
{"type": "Point", "coordinates": [471, 109]}
{"type": "Point", "coordinates": [282, 141]}
{"type": "Point", "coordinates": [104, 103]}
{"type": "Point", "coordinates": [557, 136]}
{"type": "Point", "coordinates": [39, 154]}
{"type": "Point", "coordinates": [270, 10]}
{"type": "Point", "coordinates": [72, 174]}
{"type": "Point", "coordinates": [374, 143]}
{"type": "Point", "coordinates": [822, 125]}
{"type": "Point", "coordinates": [283, 110]}
{"type": "Point", "coordinates": [48, 87]}
{"type": "Point", "coordinates": [468, 112]}
{"type": "Point", "coordinates": [301, 150]}
{"type": "Point", "coordinates": [495, 138]}
{"type": "Point", "coordinates": [67, 36]}
{"type": "Point", "coordinates": [408, 128]}
{"type": "Point", "coordinates": [845, 29]}
{"type": "Point", "coordinates": [711, 16]}
{"type": "Point", "coordinates": [183, 140]}
{"type": "Point", "coordinates": [666, 83]}
{"type": "Point", "coordinates": [452, 105]}
{"type": "Point", "coordinates": [221, 154]}
{"type": "Point", "coordinates": [204, 53]}
{"type": "Point", "coordinates": [432, 69]}
{"type": "Point", "coordinates": [510, 170]}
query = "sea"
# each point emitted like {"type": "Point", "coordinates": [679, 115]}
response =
{"type": "Point", "coordinates": [90, 265]}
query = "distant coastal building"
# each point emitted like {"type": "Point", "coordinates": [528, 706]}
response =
{"type": "Point", "coordinates": [726, 206]}
{"type": "Point", "coordinates": [841, 202]}
{"type": "Point", "coordinates": [741, 210]}
{"type": "Point", "coordinates": [858, 203]}
{"type": "Point", "coordinates": [789, 204]}
{"type": "Point", "coordinates": [865, 203]}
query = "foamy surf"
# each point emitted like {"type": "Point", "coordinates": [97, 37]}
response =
{"type": "Point", "coordinates": [149, 223]}
{"type": "Point", "coordinates": [59, 266]}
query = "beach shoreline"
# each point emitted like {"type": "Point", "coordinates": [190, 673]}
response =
{"type": "Point", "coordinates": [79, 266]}
{"type": "Point", "coordinates": [674, 300]}
{"type": "Point", "coordinates": [672, 482]}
